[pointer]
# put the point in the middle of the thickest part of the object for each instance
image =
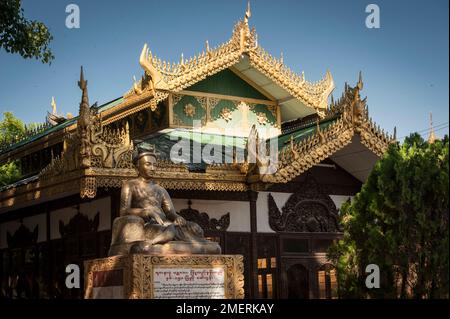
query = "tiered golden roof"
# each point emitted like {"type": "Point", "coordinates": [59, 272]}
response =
{"type": "Point", "coordinates": [166, 76]}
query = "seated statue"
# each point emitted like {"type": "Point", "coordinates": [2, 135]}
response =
{"type": "Point", "coordinates": [148, 223]}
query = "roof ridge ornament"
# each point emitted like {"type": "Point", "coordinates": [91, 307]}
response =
{"type": "Point", "coordinates": [360, 81]}
{"type": "Point", "coordinates": [84, 104]}
{"type": "Point", "coordinates": [53, 104]}
{"type": "Point", "coordinates": [248, 13]}
{"type": "Point", "coordinates": [83, 124]}
{"type": "Point", "coordinates": [243, 42]}
{"type": "Point", "coordinates": [150, 70]}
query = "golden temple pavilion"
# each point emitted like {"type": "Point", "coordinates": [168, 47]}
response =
{"type": "Point", "coordinates": [281, 212]}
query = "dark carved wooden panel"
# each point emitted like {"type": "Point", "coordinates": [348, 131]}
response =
{"type": "Point", "coordinates": [203, 220]}
{"type": "Point", "coordinates": [22, 237]}
{"type": "Point", "coordinates": [309, 209]}
{"type": "Point", "coordinates": [79, 224]}
{"type": "Point", "coordinates": [267, 246]}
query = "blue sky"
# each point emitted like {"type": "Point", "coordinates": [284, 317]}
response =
{"type": "Point", "coordinates": [405, 63]}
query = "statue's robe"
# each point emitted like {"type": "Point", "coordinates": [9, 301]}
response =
{"type": "Point", "coordinates": [155, 199]}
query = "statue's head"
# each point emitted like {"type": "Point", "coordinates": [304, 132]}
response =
{"type": "Point", "coordinates": [145, 163]}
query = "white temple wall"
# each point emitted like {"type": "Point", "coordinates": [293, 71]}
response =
{"type": "Point", "coordinates": [339, 200]}
{"type": "Point", "coordinates": [239, 211]}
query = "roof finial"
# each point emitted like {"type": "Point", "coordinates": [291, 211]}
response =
{"type": "Point", "coordinates": [319, 132]}
{"type": "Point", "coordinates": [53, 106]}
{"type": "Point", "coordinates": [82, 83]}
{"type": "Point", "coordinates": [248, 13]}
{"type": "Point", "coordinates": [84, 105]}
{"type": "Point", "coordinates": [432, 136]}
{"type": "Point", "coordinates": [360, 81]}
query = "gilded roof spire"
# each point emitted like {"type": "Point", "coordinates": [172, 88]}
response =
{"type": "Point", "coordinates": [432, 136]}
{"type": "Point", "coordinates": [360, 81]}
{"type": "Point", "coordinates": [53, 105]}
{"type": "Point", "coordinates": [248, 13]}
{"type": "Point", "coordinates": [84, 104]}
{"type": "Point", "coordinates": [83, 86]}
{"type": "Point", "coordinates": [82, 83]}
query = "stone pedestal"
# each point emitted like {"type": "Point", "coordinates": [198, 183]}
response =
{"type": "Point", "coordinates": [168, 277]}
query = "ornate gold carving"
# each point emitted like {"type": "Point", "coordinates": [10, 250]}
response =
{"type": "Point", "coordinates": [176, 98]}
{"type": "Point", "coordinates": [299, 156]}
{"type": "Point", "coordinates": [96, 157]}
{"type": "Point", "coordinates": [88, 187]}
{"type": "Point", "coordinates": [156, 80]}
{"type": "Point", "coordinates": [169, 166]}
{"type": "Point", "coordinates": [226, 114]}
{"type": "Point", "coordinates": [213, 102]}
{"type": "Point", "coordinates": [261, 118]}
{"type": "Point", "coordinates": [203, 100]}
{"type": "Point", "coordinates": [203, 185]}
{"type": "Point", "coordinates": [189, 110]}
{"type": "Point", "coordinates": [106, 264]}
{"type": "Point", "coordinates": [91, 145]}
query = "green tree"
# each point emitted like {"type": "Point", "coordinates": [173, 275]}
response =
{"type": "Point", "coordinates": [29, 38]}
{"type": "Point", "coordinates": [399, 221]}
{"type": "Point", "coordinates": [11, 128]}
{"type": "Point", "coordinates": [9, 173]}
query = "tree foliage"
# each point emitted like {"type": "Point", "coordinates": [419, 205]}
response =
{"type": "Point", "coordinates": [29, 38]}
{"type": "Point", "coordinates": [10, 128]}
{"type": "Point", "coordinates": [399, 221]}
{"type": "Point", "coordinates": [9, 173]}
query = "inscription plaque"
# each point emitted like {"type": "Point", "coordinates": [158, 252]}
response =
{"type": "Point", "coordinates": [189, 283]}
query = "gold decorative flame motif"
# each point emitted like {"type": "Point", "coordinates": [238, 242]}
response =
{"type": "Point", "coordinates": [262, 118]}
{"type": "Point", "coordinates": [189, 110]}
{"type": "Point", "coordinates": [226, 114]}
